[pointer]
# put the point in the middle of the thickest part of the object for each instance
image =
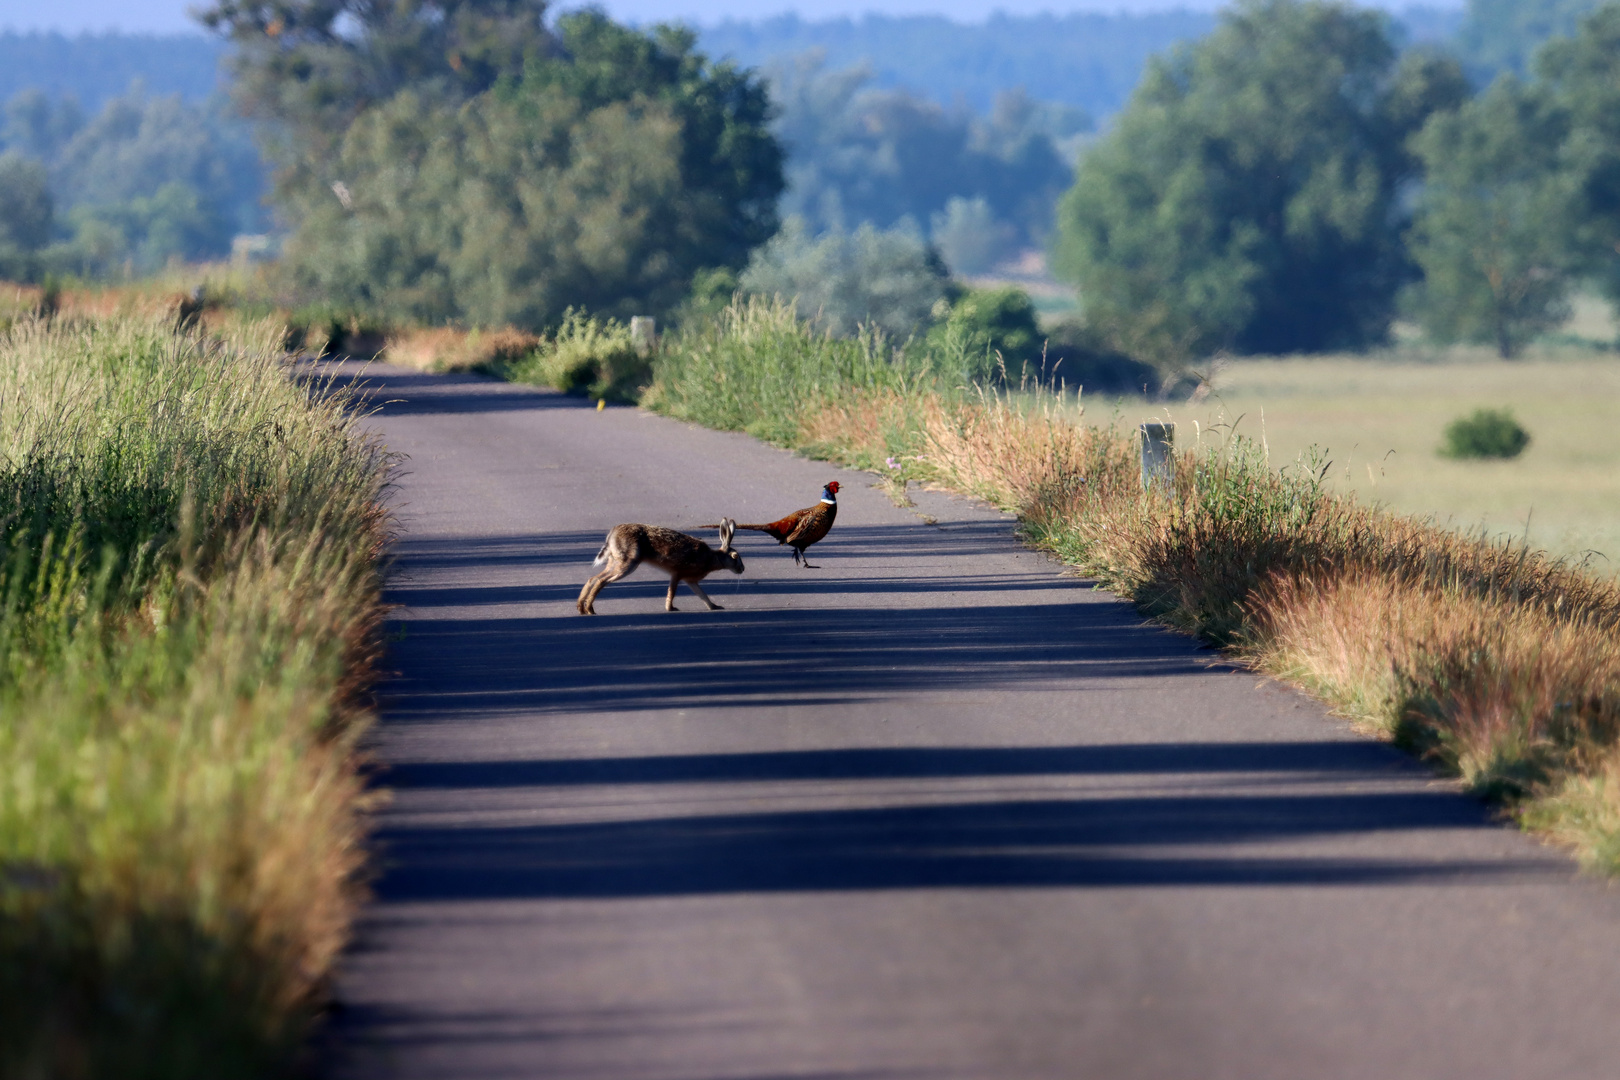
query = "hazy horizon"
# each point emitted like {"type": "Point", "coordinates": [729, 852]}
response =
{"type": "Point", "coordinates": [170, 16]}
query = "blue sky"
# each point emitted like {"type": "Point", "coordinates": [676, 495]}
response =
{"type": "Point", "coordinates": [169, 16]}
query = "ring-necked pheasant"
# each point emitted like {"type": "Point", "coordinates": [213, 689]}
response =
{"type": "Point", "coordinates": [804, 527]}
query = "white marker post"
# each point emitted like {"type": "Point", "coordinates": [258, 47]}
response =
{"type": "Point", "coordinates": [643, 334]}
{"type": "Point", "coordinates": [1158, 460]}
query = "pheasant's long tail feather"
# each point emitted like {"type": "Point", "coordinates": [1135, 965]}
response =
{"type": "Point", "coordinates": [755, 528]}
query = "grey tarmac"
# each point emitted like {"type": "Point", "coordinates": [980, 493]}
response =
{"type": "Point", "coordinates": [934, 810]}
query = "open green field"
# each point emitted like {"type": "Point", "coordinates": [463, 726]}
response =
{"type": "Point", "coordinates": [1379, 421]}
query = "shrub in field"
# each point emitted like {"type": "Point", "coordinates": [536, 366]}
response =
{"type": "Point", "coordinates": [189, 546]}
{"type": "Point", "coordinates": [1485, 433]}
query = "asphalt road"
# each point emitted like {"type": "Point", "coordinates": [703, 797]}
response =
{"type": "Point", "coordinates": [934, 810]}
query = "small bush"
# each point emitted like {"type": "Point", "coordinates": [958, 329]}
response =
{"type": "Point", "coordinates": [586, 355]}
{"type": "Point", "coordinates": [997, 328]}
{"type": "Point", "coordinates": [1486, 433]}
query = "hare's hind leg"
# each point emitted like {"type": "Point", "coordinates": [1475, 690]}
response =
{"type": "Point", "coordinates": [616, 570]}
{"type": "Point", "coordinates": [697, 587]}
{"type": "Point", "coordinates": [583, 593]}
{"type": "Point", "coordinates": [669, 597]}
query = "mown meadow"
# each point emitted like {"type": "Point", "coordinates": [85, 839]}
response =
{"type": "Point", "coordinates": [190, 546]}
{"type": "Point", "coordinates": [1379, 420]}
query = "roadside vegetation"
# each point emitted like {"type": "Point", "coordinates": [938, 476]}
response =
{"type": "Point", "coordinates": [189, 572]}
{"type": "Point", "coordinates": [1494, 660]}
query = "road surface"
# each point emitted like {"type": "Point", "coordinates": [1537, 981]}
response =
{"type": "Point", "coordinates": [934, 810]}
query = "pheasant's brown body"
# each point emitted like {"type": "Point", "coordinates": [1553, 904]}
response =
{"type": "Point", "coordinates": [804, 527]}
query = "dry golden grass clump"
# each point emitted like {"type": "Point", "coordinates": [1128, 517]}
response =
{"type": "Point", "coordinates": [189, 603]}
{"type": "Point", "coordinates": [449, 349]}
{"type": "Point", "coordinates": [1495, 660]}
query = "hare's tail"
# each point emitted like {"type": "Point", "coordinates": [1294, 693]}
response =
{"type": "Point", "coordinates": [601, 557]}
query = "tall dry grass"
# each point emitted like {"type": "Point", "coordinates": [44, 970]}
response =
{"type": "Point", "coordinates": [189, 580]}
{"type": "Point", "coordinates": [1498, 662]}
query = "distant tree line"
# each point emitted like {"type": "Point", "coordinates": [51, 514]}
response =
{"type": "Point", "coordinates": [1292, 180]}
{"type": "Point", "coordinates": [143, 180]}
{"type": "Point", "coordinates": [92, 69]}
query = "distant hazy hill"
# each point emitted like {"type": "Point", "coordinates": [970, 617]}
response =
{"type": "Point", "coordinates": [96, 67]}
{"type": "Point", "coordinates": [1089, 60]}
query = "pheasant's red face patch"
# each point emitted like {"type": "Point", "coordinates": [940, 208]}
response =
{"type": "Point", "coordinates": [833, 487]}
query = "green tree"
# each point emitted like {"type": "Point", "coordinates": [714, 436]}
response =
{"type": "Point", "coordinates": [1583, 76]}
{"type": "Point", "coordinates": [1494, 227]}
{"type": "Point", "coordinates": [1248, 196]}
{"type": "Point", "coordinates": [310, 67]}
{"type": "Point", "coordinates": [604, 178]}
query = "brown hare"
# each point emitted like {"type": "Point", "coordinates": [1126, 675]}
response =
{"type": "Point", "coordinates": [686, 558]}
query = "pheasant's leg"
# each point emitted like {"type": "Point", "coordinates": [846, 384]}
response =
{"type": "Point", "coordinates": [805, 555]}
{"type": "Point", "coordinates": [703, 596]}
{"type": "Point", "coordinates": [669, 600]}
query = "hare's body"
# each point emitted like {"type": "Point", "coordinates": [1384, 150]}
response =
{"type": "Point", "coordinates": [684, 558]}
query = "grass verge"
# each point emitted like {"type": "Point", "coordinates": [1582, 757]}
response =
{"type": "Point", "coordinates": [1492, 659]}
{"type": "Point", "coordinates": [189, 582]}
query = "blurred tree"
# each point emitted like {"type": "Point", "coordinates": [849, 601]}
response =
{"type": "Point", "coordinates": [888, 278]}
{"type": "Point", "coordinates": [1494, 227]}
{"type": "Point", "coordinates": [968, 235]}
{"type": "Point", "coordinates": [139, 144]}
{"type": "Point", "coordinates": [25, 215]}
{"type": "Point", "coordinates": [1500, 36]}
{"type": "Point", "coordinates": [1248, 197]}
{"type": "Point", "coordinates": [604, 177]}
{"type": "Point", "coordinates": [858, 154]}
{"type": "Point", "coordinates": [147, 231]}
{"type": "Point", "coordinates": [145, 180]}
{"type": "Point", "coordinates": [1583, 76]}
{"type": "Point", "coordinates": [37, 125]}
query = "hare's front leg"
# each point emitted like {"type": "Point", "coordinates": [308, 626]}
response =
{"type": "Point", "coordinates": [669, 598]}
{"type": "Point", "coordinates": [697, 587]}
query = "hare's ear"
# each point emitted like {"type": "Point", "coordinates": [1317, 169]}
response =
{"type": "Point", "coordinates": [728, 529]}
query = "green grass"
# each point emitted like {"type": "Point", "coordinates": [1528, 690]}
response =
{"type": "Point", "coordinates": [757, 368]}
{"type": "Point", "coordinates": [189, 572]}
